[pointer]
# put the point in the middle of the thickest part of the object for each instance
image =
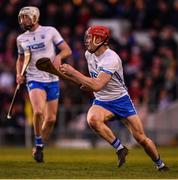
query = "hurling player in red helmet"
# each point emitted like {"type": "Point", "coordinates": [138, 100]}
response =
{"type": "Point", "coordinates": [111, 96]}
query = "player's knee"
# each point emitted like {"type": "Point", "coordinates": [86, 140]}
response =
{"type": "Point", "coordinates": [38, 113]}
{"type": "Point", "coordinates": [93, 121]}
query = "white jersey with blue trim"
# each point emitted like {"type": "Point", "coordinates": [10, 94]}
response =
{"type": "Point", "coordinates": [42, 43]}
{"type": "Point", "coordinates": [110, 63]}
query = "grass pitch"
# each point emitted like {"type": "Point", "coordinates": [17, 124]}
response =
{"type": "Point", "coordinates": [17, 163]}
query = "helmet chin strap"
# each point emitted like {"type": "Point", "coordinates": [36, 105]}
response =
{"type": "Point", "coordinates": [99, 45]}
{"type": "Point", "coordinates": [29, 27]}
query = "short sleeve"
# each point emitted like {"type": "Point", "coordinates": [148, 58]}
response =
{"type": "Point", "coordinates": [57, 38]}
{"type": "Point", "coordinates": [87, 55]}
{"type": "Point", "coordinates": [109, 65]}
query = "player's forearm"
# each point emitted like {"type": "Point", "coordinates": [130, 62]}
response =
{"type": "Point", "coordinates": [74, 80]}
{"type": "Point", "coordinates": [19, 65]}
{"type": "Point", "coordinates": [90, 83]}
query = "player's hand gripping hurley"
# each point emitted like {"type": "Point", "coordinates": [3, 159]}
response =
{"type": "Point", "coordinates": [27, 57]}
{"type": "Point", "coordinates": [44, 64]}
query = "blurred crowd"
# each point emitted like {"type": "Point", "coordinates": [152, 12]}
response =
{"type": "Point", "coordinates": [150, 69]}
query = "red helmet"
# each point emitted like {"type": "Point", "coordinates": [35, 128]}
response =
{"type": "Point", "coordinates": [98, 32]}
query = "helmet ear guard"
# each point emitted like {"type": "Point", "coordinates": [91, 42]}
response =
{"type": "Point", "coordinates": [95, 41]}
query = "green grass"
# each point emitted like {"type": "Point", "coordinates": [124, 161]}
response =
{"type": "Point", "coordinates": [87, 164]}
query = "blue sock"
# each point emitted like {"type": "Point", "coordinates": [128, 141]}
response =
{"type": "Point", "coordinates": [38, 141]}
{"type": "Point", "coordinates": [159, 163]}
{"type": "Point", "coordinates": [117, 144]}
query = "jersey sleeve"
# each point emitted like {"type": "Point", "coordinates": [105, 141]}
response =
{"type": "Point", "coordinates": [57, 38]}
{"type": "Point", "coordinates": [19, 47]}
{"type": "Point", "coordinates": [109, 65]}
{"type": "Point", "coordinates": [87, 54]}
{"type": "Point", "coordinates": [87, 57]}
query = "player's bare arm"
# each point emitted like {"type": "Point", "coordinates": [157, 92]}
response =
{"type": "Point", "coordinates": [93, 84]}
{"type": "Point", "coordinates": [65, 52]}
{"type": "Point", "coordinates": [19, 64]}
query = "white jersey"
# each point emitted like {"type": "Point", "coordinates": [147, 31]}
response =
{"type": "Point", "coordinates": [42, 43]}
{"type": "Point", "coordinates": [110, 63]}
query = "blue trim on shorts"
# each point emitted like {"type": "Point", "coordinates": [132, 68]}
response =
{"type": "Point", "coordinates": [121, 108]}
{"type": "Point", "coordinates": [52, 89]}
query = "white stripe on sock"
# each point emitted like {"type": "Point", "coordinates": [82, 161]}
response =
{"type": "Point", "coordinates": [120, 147]}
